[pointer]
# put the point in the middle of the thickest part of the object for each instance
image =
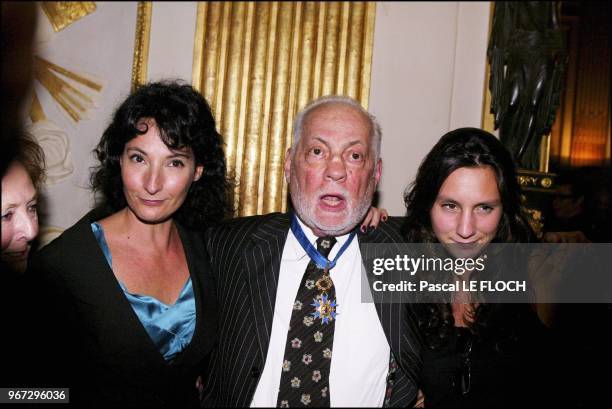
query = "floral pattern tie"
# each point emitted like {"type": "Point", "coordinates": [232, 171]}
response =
{"type": "Point", "coordinates": [305, 373]}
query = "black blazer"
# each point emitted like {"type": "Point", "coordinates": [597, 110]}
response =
{"type": "Point", "coordinates": [245, 258]}
{"type": "Point", "coordinates": [111, 359]}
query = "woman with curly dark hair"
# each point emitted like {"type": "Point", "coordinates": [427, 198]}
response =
{"type": "Point", "coordinates": [465, 196]}
{"type": "Point", "coordinates": [131, 284]}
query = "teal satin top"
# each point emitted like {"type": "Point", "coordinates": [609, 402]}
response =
{"type": "Point", "coordinates": [170, 327]}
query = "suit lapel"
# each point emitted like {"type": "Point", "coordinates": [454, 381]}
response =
{"type": "Point", "coordinates": [262, 259]}
{"type": "Point", "coordinates": [205, 328]}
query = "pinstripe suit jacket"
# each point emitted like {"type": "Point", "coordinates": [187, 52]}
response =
{"type": "Point", "coordinates": [246, 256]}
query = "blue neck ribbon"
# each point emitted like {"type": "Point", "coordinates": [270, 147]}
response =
{"type": "Point", "coordinates": [313, 253]}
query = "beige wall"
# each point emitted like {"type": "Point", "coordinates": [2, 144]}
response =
{"type": "Point", "coordinates": [427, 78]}
{"type": "Point", "coordinates": [172, 37]}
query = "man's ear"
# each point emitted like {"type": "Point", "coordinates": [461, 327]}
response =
{"type": "Point", "coordinates": [198, 172]}
{"type": "Point", "coordinates": [378, 170]}
{"type": "Point", "coordinates": [288, 165]}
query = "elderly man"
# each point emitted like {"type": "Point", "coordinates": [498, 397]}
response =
{"type": "Point", "coordinates": [293, 330]}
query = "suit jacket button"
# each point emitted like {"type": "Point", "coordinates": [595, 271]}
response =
{"type": "Point", "coordinates": [255, 372]}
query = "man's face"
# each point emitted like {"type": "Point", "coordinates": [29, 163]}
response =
{"type": "Point", "coordinates": [333, 174]}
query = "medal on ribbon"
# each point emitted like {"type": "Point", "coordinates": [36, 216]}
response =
{"type": "Point", "coordinates": [325, 309]}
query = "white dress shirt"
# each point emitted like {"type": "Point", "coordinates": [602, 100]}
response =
{"type": "Point", "coordinates": [360, 353]}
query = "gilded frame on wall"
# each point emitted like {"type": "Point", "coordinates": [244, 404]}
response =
{"type": "Point", "coordinates": [141, 43]}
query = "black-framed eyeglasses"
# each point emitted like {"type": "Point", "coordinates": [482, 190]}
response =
{"type": "Point", "coordinates": [462, 377]}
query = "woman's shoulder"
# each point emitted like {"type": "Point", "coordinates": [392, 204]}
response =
{"type": "Point", "coordinates": [72, 233]}
{"type": "Point", "coordinates": [72, 245]}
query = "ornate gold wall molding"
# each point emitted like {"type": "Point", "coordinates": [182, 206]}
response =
{"type": "Point", "coordinates": [141, 43]}
{"type": "Point", "coordinates": [63, 13]}
{"type": "Point", "coordinates": [258, 63]}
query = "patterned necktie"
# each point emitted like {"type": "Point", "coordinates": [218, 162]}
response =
{"type": "Point", "coordinates": [305, 373]}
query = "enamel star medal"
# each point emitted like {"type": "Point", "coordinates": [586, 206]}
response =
{"type": "Point", "coordinates": [325, 308]}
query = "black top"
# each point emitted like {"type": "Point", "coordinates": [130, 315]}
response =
{"type": "Point", "coordinates": [102, 351]}
{"type": "Point", "coordinates": [491, 371]}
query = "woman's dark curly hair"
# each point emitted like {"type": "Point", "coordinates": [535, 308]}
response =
{"type": "Point", "coordinates": [184, 119]}
{"type": "Point", "coordinates": [463, 147]}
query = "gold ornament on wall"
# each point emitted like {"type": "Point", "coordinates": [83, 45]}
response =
{"type": "Point", "coordinates": [63, 13]}
{"type": "Point", "coordinates": [67, 89]}
{"type": "Point", "coordinates": [54, 78]}
{"type": "Point", "coordinates": [141, 43]}
{"type": "Point", "coordinates": [72, 100]}
{"type": "Point", "coordinates": [258, 63]}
